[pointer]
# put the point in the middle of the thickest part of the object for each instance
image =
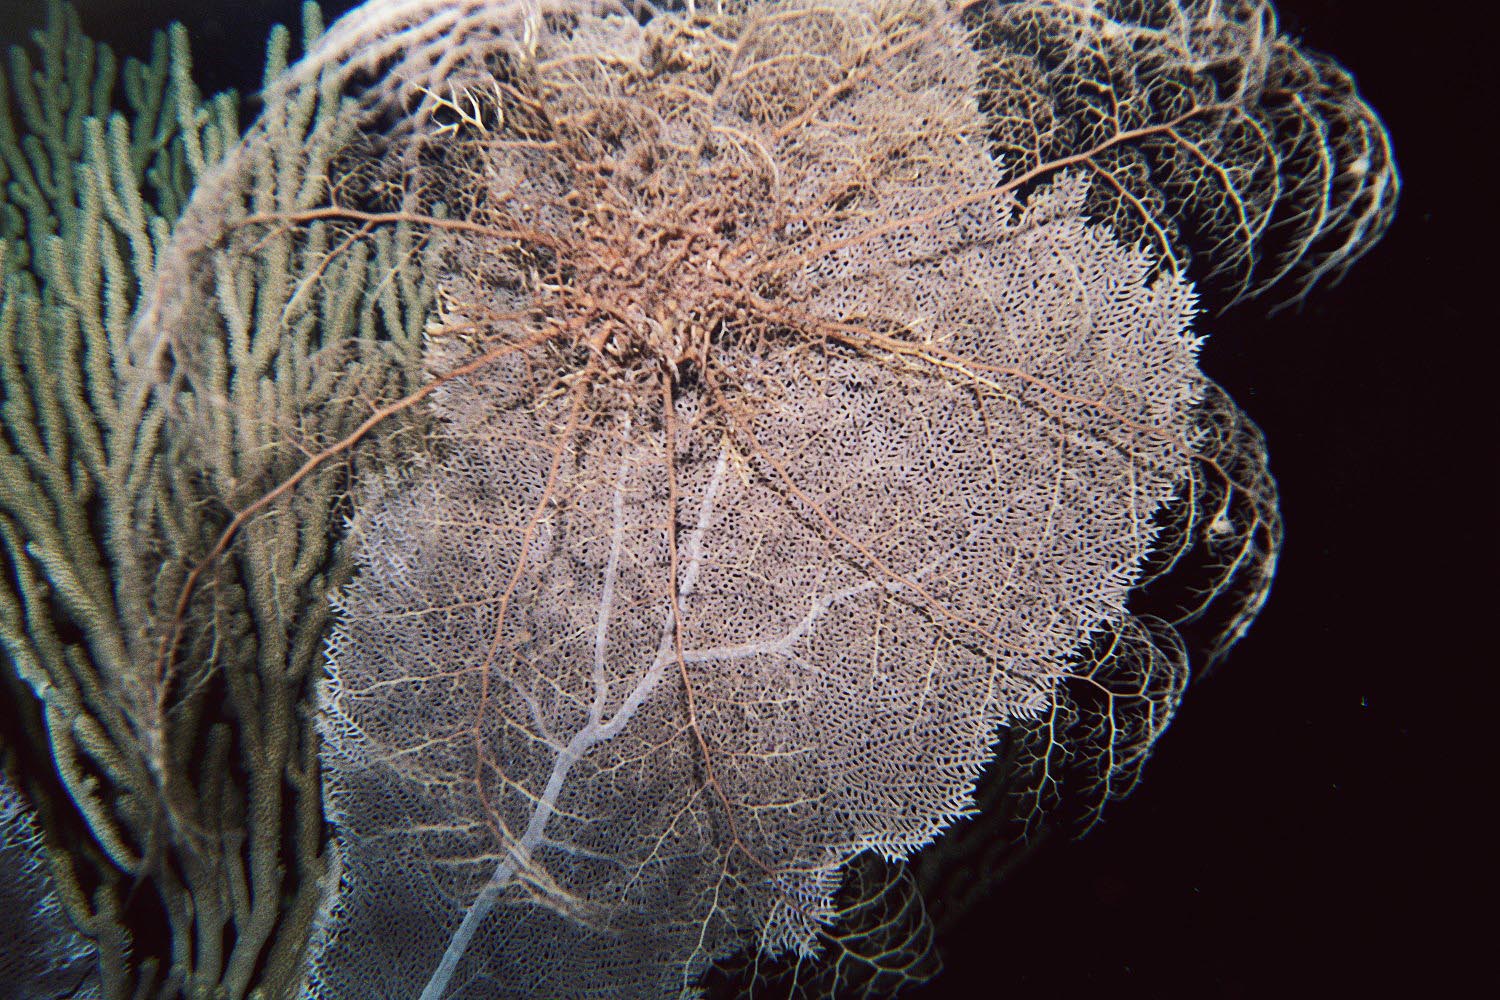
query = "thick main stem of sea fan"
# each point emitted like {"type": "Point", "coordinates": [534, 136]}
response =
{"type": "Point", "coordinates": [594, 732]}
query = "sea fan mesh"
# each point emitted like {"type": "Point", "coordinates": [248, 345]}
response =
{"type": "Point", "coordinates": [42, 956]}
{"type": "Point", "coordinates": [803, 461]}
{"type": "Point", "coordinates": [810, 418]}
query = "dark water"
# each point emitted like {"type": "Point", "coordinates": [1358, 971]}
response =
{"type": "Point", "coordinates": [1309, 823]}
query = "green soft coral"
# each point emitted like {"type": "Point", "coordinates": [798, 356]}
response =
{"type": "Point", "coordinates": [182, 775]}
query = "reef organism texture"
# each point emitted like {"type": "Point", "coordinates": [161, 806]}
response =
{"type": "Point", "coordinates": [800, 479]}
{"type": "Point", "coordinates": [42, 955]}
{"type": "Point", "coordinates": [796, 422]}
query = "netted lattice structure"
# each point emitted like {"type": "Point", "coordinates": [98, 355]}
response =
{"type": "Point", "coordinates": [797, 421]}
{"type": "Point", "coordinates": [42, 956]}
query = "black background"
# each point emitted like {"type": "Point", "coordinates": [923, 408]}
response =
{"type": "Point", "coordinates": [1319, 817]}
